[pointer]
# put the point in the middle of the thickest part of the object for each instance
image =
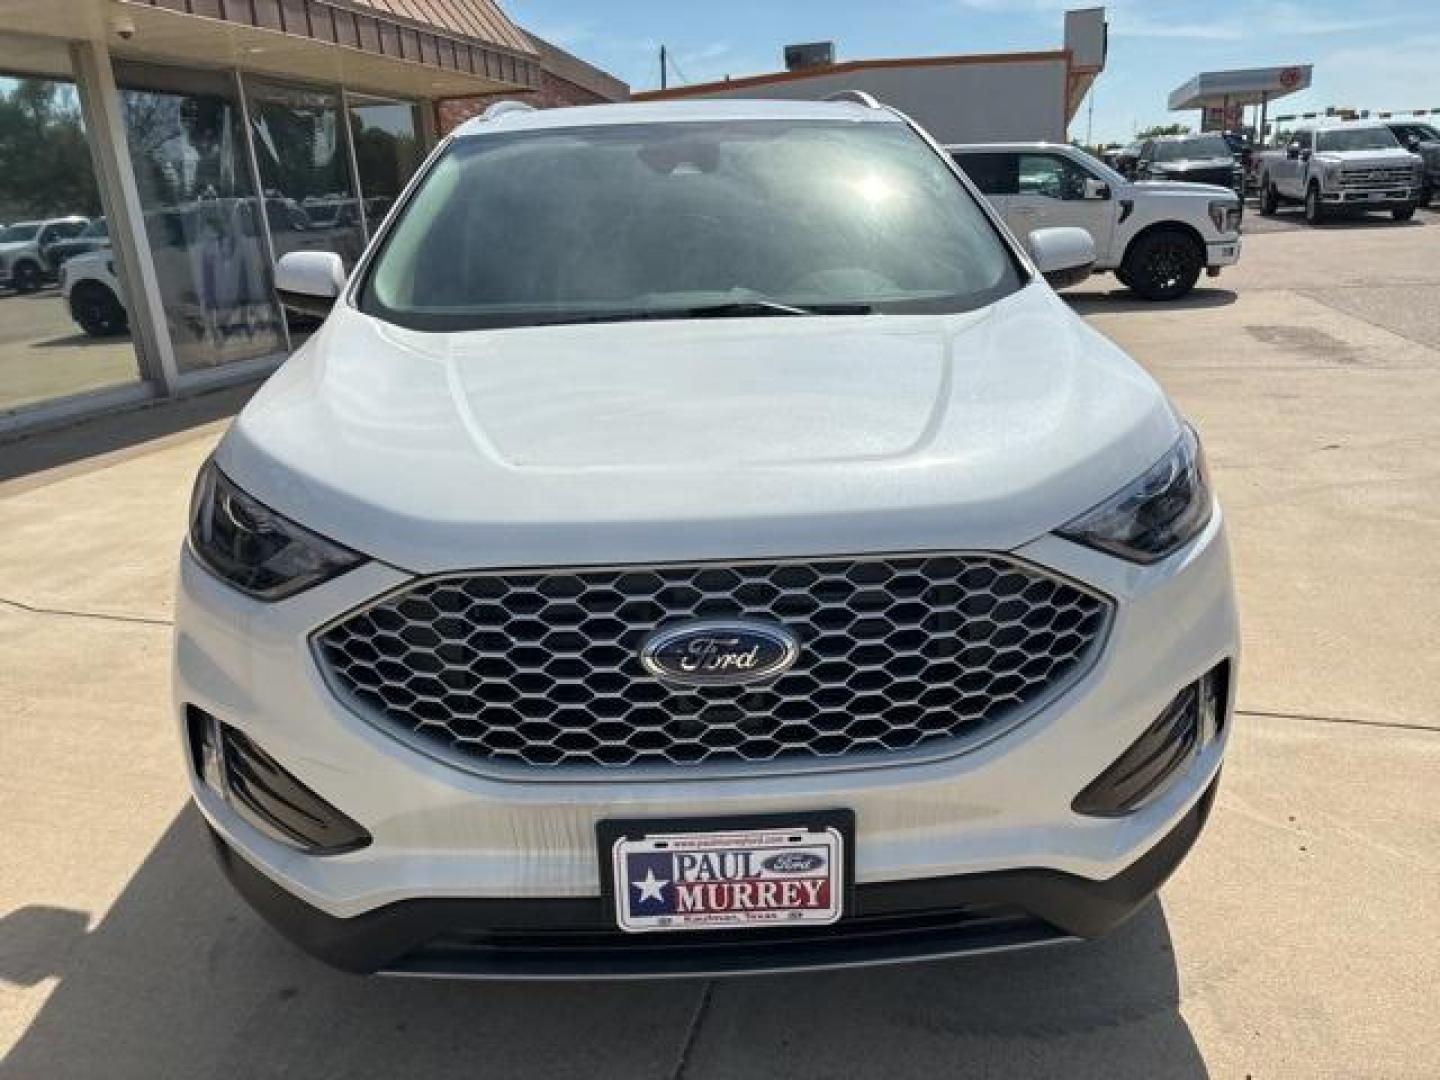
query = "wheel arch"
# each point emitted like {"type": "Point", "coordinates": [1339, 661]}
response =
{"type": "Point", "coordinates": [1169, 225]}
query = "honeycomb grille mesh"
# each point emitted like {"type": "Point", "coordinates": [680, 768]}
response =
{"type": "Point", "coordinates": [543, 670]}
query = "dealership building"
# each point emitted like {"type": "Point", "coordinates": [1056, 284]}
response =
{"type": "Point", "coordinates": [171, 150]}
{"type": "Point", "coordinates": [978, 97]}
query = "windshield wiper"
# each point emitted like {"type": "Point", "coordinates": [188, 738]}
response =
{"type": "Point", "coordinates": [730, 309]}
{"type": "Point", "coordinates": [746, 309]}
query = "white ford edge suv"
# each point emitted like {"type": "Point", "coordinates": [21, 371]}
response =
{"type": "Point", "coordinates": [699, 540]}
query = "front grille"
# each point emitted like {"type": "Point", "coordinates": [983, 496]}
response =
{"type": "Point", "coordinates": [541, 669]}
{"type": "Point", "coordinates": [1385, 176]}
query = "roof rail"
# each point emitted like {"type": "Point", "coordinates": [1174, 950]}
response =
{"type": "Point", "coordinates": [503, 108]}
{"type": "Point", "coordinates": [859, 97]}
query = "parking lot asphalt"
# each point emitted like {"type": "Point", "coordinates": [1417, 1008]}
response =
{"type": "Point", "coordinates": [1295, 942]}
{"type": "Point", "coordinates": [44, 354]}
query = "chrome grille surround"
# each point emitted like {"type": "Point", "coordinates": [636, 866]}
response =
{"type": "Point", "coordinates": [535, 674]}
{"type": "Point", "coordinates": [1379, 176]}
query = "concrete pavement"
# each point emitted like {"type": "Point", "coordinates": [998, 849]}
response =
{"type": "Point", "coordinates": [1294, 943]}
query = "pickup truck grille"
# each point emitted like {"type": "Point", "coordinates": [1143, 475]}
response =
{"type": "Point", "coordinates": [541, 670]}
{"type": "Point", "coordinates": [1386, 176]}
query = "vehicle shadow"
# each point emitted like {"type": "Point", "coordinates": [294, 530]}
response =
{"type": "Point", "coordinates": [178, 979]}
{"type": "Point", "coordinates": [80, 340]}
{"type": "Point", "coordinates": [1091, 300]}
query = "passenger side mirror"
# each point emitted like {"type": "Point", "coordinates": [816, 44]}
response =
{"type": "Point", "coordinates": [1064, 256]}
{"type": "Point", "coordinates": [309, 281]}
{"type": "Point", "coordinates": [1096, 189]}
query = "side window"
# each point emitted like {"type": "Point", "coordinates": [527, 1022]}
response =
{"type": "Point", "coordinates": [64, 230]}
{"type": "Point", "coordinates": [992, 173]}
{"type": "Point", "coordinates": [1052, 176]}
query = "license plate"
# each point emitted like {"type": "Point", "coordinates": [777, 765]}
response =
{"type": "Point", "coordinates": [719, 874]}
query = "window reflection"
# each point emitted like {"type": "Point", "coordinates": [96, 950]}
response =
{"type": "Point", "coordinates": [387, 151]}
{"type": "Point", "coordinates": [305, 171]}
{"type": "Point", "coordinates": [201, 219]}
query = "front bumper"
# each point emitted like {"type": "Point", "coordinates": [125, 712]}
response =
{"type": "Point", "coordinates": [893, 922]}
{"type": "Point", "coordinates": [1380, 199]}
{"type": "Point", "coordinates": [472, 848]}
{"type": "Point", "coordinates": [1220, 253]}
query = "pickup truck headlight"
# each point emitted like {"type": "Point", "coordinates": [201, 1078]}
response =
{"type": "Point", "coordinates": [1155, 515]}
{"type": "Point", "coordinates": [1225, 215]}
{"type": "Point", "coordinates": [245, 543]}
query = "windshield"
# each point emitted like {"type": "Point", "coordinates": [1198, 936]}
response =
{"type": "Point", "coordinates": [1376, 138]}
{"type": "Point", "coordinates": [95, 228]}
{"type": "Point", "coordinates": [17, 234]}
{"type": "Point", "coordinates": [1209, 146]}
{"type": "Point", "coordinates": [664, 220]}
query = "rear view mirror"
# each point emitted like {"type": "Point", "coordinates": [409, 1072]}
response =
{"type": "Point", "coordinates": [1064, 256]}
{"type": "Point", "coordinates": [309, 281]}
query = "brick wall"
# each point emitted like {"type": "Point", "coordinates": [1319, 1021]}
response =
{"type": "Point", "coordinates": [554, 92]}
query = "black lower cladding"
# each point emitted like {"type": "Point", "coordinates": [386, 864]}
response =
{"type": "Point", "coordinates": [576, 938]}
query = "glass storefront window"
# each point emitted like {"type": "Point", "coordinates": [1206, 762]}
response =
{"type": "Point", "coordinates": [201, 215]}
{"type": "Point", "coordinates": [388, 150]}
{"type": "Point", "coordinates": [63, 323]}
{"type": "Point", "coordinates": [304, 162]}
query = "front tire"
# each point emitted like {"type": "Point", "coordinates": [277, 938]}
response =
{"type": "Point", "coordinates": [1314, 208]}
{"type": "Point", "coordinates": [1403, 213]}
{"type": "Point", "coordinates": [97, 311]}
{"type": "Point", "coordinates": [1163, 265]}
{"type": "Point", "coordinates": [1269, 198]}
{"type": "Point", "coordinates": [25, 277]}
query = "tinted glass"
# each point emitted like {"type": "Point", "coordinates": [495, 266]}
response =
{"type": "Point", "coordinates": [1051, 176]}
{"type": "Point", "coordinates": [652, 220]}
{"type": "Point", "coordinates": [305, 169]}
{"type": "Point", "coordinates": [1376, 138]}
{"type": "Point", "coordinates": [1208, 146]}
{"type": "Point", "coordinates": [201, 216]}
{"type": "Point", "coordinates": [992, 173]}
{"type": "Point", "coordinates": [58, 337]}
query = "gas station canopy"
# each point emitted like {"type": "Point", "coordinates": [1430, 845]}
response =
{"type": "Point", "coordinates": [1229, 89]}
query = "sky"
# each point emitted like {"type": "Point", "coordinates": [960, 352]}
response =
{"type": "Point", "coordinates": [1380, 54]}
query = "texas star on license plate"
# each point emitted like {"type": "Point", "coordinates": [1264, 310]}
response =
{"type": "Point", "coordinates": [713, 880]}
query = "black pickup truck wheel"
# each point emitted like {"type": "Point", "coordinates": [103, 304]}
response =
{"type": "Point", "coordinates": [1163, 265]}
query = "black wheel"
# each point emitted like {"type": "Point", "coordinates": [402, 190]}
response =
{"type": "Point", "coordinates": [1403, 213]}
{"type": "Point", "coordinates": [1163, 265]}
{"type": "Point", "coordinates": [25, 277]}
{"type": "Point", "coordinates": [97, 310]}
{"type": "Point", "coordinates": [1269, 199]}
{"type": "Point", "coordinates": [1314, 208]}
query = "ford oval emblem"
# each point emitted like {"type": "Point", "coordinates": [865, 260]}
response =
{"type": "Point", "coordinates": [794, 862]}
{"type": "Point", "coordinates": [719, 652]}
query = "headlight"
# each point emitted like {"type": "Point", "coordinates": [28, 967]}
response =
{"type": "Point", "coordinates": [250, 546]}
{"type": "Point", "coordinates": [1155, 515]}
{"type": "Point", "coordinates": [1225, 214]}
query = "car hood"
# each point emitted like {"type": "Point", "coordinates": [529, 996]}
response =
{"type": "Point", "coordinates": [669, 440]}
{"type": "Point", "coordinates": [1191, 164]}
{"type": "Point", "coordinates": [16, 246]}
{"type": "Point", "coordinates": [1397, 155]}
{"type": "Point", "coordinates": [1182, 189]}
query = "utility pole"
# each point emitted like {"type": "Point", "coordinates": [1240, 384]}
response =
{"type": "Point", "coordinates": [1090, 121]}
{"type": "Point", "coordinates": [663, 82]}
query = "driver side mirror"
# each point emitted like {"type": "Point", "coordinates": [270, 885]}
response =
{"type": "Point", "coordinates": [309, 281]}
{"type": "Point", "coordinates": [1413, 143]}
{"type": "Point", "coordinates": [1096, 189]}
{"type": "Point", "coordinates": [1064, 256]}
{"type": "Point", "coordinates": [1292, 151]}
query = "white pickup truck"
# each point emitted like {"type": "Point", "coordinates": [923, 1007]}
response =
{"type": "Point", "coordinates": [1156, 236]}
{"type": "Point", "coordinates": [1343, 166]}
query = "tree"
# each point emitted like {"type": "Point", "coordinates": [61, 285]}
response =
{"type": "Point", "coordinates": [1163, 129]}
{"type": "Point", "coordinates": [45, 167]}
